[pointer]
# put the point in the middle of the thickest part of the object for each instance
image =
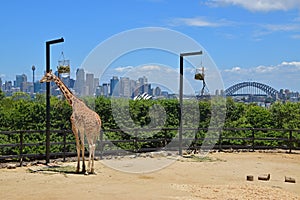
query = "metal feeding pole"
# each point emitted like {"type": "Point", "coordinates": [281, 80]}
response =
{"type": "Point", "coordinates": [48, 43]}
{"type": "Point", "coordinates": [181, 95]}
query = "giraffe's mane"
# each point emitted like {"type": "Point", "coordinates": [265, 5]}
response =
{"type": "Point", "coordinates": [63, 83]}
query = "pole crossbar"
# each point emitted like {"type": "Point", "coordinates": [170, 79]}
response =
{"type": "Point", "coordinates": [191, 53]}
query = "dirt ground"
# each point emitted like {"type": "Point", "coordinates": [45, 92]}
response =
{"type": "Point", "coordinates": [219, 176]}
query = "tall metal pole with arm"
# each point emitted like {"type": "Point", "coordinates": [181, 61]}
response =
{"type": "Point", "coordinates": [181, 95]}
{"type": "Point", "coordinates": [48, 43]}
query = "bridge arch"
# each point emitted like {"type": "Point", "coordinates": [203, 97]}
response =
{"type": "Point", "coordinates": [265, 88]}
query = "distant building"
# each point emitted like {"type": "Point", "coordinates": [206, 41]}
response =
{"type": "Point", "coordinates": [143, 81]}
{"type": "Point", "coordinates": [89, 81]}
{"type": "Point", "coordinates": [114, 86]}
{"type": "Point", "coordinates": [96, 84]}
{"type": "Point", "coordinates": [21, 82]}
{"type": "Point", "coordinates": [7, 88]}
{"type": "Point", "coordinates": [79, 85]}
{"type": "Point", "coordinates": [125, 90]}
{"type": "Point", "coordinates": [99, 91]}
{"type": "Point", "coordinates": [39, 87]}
{"type": "Point", "coordinates": [133, 88]}
{"type": "Point", "coordinates": [157, 91]}
{"type": "Point", "coordinates": [105, 89]}
{"type": "Point", "coordinates": [66, 81]}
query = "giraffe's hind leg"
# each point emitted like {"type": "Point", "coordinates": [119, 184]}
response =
{"type": "Point", "coordinates": [75, 131]}
{"type": "Point", "coordinates": [90, 157]}
{"type": "Point", "coordinates": [83, 159]}
{"type": "Point", "coordinates": [93, 148]}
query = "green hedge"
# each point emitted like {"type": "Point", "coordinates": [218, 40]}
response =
{"type": "Point", "coordinates": [20, 112]}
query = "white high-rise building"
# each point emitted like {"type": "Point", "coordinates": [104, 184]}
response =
{"type": "Point", "coordinates": [125, 87]}
{"type": "Point", "coordinates": [96, 83]}
{"type": "Point", "coordinates": [89, 81]}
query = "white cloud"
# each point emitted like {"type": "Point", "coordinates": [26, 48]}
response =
{"type": "Point", "coordinates": [294, 63]}
{"type": "Point", "coordinates": [264, 69]}
{"type": "Point", "coordinates": [199, 22]}
{"type": "Point", "coordinates": [267, 29]}
{"type": "Point", "coordinates": [282, 27]}
{"type": "Point", "coordinates": [258, 5]}
{"type": "Point", "coordinates": [124, 69]}
{"type": "Point", "coordinates": [150, 67]}
{"type": "Point", "coordinates": [137, 71]}
{"type": "Point", "coordinates": [234, 69]}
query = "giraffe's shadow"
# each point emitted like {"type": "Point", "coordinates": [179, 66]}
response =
{"type": "Point", "coordinates": [57, 169]}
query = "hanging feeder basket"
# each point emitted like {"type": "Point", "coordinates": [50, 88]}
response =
{"type": "Point", "coordinates": [199, 75]}
{"type": "Point", "coordinates": [63, 65]}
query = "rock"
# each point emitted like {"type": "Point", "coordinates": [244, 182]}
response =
{"type": "Point", "coordinates": [143, 155]}
{"type": "Point", "coordinates": [11, 166]}
{"type": "Point", "coordinates": [132, 156]}
{"type": "Point", "coordinates": [249, 178]}
{"type": "Point", "coordinates": [169, 154]}
{"type": "Point", "coordinates": [289, 179]}
{"type": "Point", "coordinates": [264, 177]}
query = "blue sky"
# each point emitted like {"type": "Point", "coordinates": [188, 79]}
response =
{"type": "Point", "coordinates": [257, 40]}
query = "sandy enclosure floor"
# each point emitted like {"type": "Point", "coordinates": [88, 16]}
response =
{"type": "Point", "coordinates": [222, 176]}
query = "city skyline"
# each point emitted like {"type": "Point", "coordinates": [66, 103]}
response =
{"type": "Point", "coordinates": [86, 84]}
{"type": "Point", "coordinates": [21, 74]}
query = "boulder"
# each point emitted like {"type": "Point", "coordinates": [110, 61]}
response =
{"type": "Point", "coordinates": [289, 179]}
{"type": "Point", "coordinates": [264, 177]}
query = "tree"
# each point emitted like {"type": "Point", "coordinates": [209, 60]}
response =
{"type": "Point", "coordinates": [286, 115]}
{"type": "Point", "coordinates": [2, 95]}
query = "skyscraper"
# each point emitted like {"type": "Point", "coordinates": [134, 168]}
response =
{"type": "Point", "coordinates": [125, 87]}
{"type": "Point", "coordinates": [90, 84]}
{"type": "Point", "coordinates": [105, 88]}
{"type": "Point", "coordinates": [21, 82]}
{"type": "Point", "coordinates": [157, 91]}
{"type": "Point", "coordinates": [96, 83]}
{"type": "Point", "coordinates": [114, 86]}
{"type": "Point", "coordinates": [79, 85]}
{"type": "Point", "coordinates": [143, 81]}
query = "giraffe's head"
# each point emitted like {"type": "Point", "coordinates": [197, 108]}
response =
{"type": "Point", "coordinates": [48, 77]}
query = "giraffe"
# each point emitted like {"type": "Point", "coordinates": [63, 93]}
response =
{"type": "Point", "coordinates": [85, 122]}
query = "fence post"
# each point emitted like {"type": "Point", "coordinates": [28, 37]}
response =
{"type": "Point", "coordinates": [135, 142]}
{"type": "Point", "coordinates": [64, 148]}
{"type": "Point", "coordinates": [101, 146]}
{"type": "Point", "coordinates": [290, 141]}
{"type": "Point", "coordinates": [220, 140]}
{"type": "Point", "coordinates": [253, 139]}
{"type": "Point", "coordinates": [21, 148]}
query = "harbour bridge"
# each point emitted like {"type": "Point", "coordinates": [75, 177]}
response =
{"type": "Point", "coordinates": [251, 88]}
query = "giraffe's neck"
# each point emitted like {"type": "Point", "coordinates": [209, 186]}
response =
{"type": "Point", "coordinates": [64, 89]}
